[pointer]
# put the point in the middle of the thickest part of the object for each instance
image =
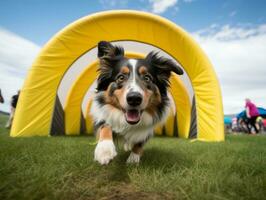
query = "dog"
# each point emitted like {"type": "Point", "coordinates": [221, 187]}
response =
{"type": "Point", "coordinates": [130, 99]}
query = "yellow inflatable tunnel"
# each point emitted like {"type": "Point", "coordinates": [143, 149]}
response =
{"type": "Point", "coordinates": [55, 96]}
{"type": "Point", "coordinates": [74, 119]}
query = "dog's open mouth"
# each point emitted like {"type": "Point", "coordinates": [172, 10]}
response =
{"type": "Point", "coordinates": [133, 116]}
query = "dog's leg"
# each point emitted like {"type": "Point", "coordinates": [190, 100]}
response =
{"type": "Point", "coordinates": [127, 147]}
{"type": "Point", "coordinates": [136, 153]}
{"type": "Point", "coordinates": [105, 149]}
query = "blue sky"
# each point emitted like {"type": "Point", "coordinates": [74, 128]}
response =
{"type": "Point", "coordinates": [231, 32]}
{"type": "Point", "coordinates": [38, 20]}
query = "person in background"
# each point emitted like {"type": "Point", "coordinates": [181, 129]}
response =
{"type": "Point", "coordinates": [14, 101]}
{"type": "Point", "coordinates": [252, 114]}
{"type": "Point", "coordinates": [1, 97]}
{"type": "Point", "coordinates": [243, 125]}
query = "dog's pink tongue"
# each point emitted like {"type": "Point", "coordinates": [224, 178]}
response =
{"type": "Point", "coordinates": [133, 116]}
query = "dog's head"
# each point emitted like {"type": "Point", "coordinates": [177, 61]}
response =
{"type": "Point", "coordinates": [133, 85]}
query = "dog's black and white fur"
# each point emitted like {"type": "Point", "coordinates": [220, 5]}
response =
{"type": "Point", "coordinates": [131, 98]}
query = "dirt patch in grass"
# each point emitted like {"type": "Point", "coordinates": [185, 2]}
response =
{"type": "Point", "coordinates": [103, 185]}
{"type": "Point", "coordinates": [128, 192]}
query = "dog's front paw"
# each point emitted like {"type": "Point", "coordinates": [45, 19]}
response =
{"type": "Point", "coordinates": [133, 158]}
{"type": "Point", "coordinates": [104, 152]}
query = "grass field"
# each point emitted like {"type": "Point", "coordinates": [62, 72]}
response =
{"type": "Point", "coordinates": [63, 168]}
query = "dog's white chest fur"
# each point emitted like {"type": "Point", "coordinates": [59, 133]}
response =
{"type": "Point", "coordinates": [132, 134]}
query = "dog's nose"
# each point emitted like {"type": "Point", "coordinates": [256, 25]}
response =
{"type": "Point", "coordinates": [134, 98]}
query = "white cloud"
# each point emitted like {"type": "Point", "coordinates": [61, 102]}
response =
{"type": "Point", "coordinates": [16, 56]}
{"type": "Point", "coordinates": [238, 56]}
{"type": "Point", "coordinates": [155, 6]}
{"type": "Point", "coordinates": [160, 6]}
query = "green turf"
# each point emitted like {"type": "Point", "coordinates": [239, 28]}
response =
{"type": "Point", "coordinates": [63, 168]}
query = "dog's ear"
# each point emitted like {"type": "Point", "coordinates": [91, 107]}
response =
{"type": "Point", "coordinates": [108, 55]}
{"type": "Point", "coordinates": [163, 67]}
{"type": "Point", "coordinates": [109, 50]}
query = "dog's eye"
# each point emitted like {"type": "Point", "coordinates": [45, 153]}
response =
{"type": "Point", "coordinates": [120, 78]}
{"type": "Point", "coordinates": [147, 78]}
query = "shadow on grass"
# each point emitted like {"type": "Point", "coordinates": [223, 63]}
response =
{"type": "Point", "coordinates": [118, 170]}
{"type": "Point", "coordinates": [154, 158]}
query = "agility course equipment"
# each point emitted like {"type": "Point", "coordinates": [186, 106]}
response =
{"type": "Point", "coordinates": [44, 110]}
{"type": "Point", "coordinates": [73, 113]}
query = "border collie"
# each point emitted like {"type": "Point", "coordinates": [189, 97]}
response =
{"type": "Point", "coordinates": [130, 99]}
